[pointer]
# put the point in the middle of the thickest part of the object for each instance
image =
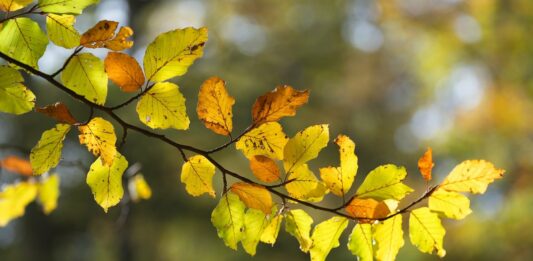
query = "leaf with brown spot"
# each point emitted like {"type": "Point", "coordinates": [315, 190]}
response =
{"type": "Point", "coordinates": [281, 102]}
{"type": "Point", "coordinates": [16, 165]}
{"type": "Point", "coordinates": [367, 209]}
{"type": "Point", "coordinates": [102, 35]}
{"type": "Point", "coordinates": [214, 106]}
{"type": "Point", "coordinates": [253, 196]}
{"type": "Point", "coordinates": [264, 168]}
{"type": "Point", "coordinates": [59, 112]}
{"type": "Point", "coordinates": [425, 164]}
{"type": "Point", "coordinates": [124, 71]}
{"type": "Point", "coordinates": [99, 137]}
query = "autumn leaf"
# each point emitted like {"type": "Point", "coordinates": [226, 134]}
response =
{"type": "Point", "coordinates": [228, 219]}
{"type": "Point", "coordinates": [13, 5]}
{"type": "Point", "coordinates": [264, 168]}
{"type": "Point", "coordinates": [65, 6]}
{"type": "Point", "coordinates": [384, 182]}
{"type": "Point", "coordinates": [163, 107]}
{"type": "Point", "coordinates": [340, 179]}
{"type": "Point", "coordinates": [426, 231]}
{"type": "Point", "coordinates": [49, 193]}
{"type": "Point", "coordinates": [388, 236]}
{"type": "Point", "coordinates": [47, 153]}
{"type": "Point", "coordinates": [16, 165]}
{"type": "Point", "coordinates": [23, 40]}
{"type": "Point", "coordinates": [281, 102]}
{"type": "Point", "coordinates": [253, 196]}
{"type": "Point", "coordinates": [450, 204]}
{"type": "Point", "coordinates": [425, 164]}
{"type": "Point", "coordinates": [85, 75]}
{"type": "Point", "coordinates": [139, 188]}
{"type": "Point", "coordinates": [471, 176]}
{"type": "Point", "coordinates": [61, 31]}
{"type": "Point", "coordinates": [367, 209]}
{"type": "Point", "coordinates": [105, 181]}
{"type": "Point", "coordinates": [214, 106]}
{"type": "Point", "coordinates": [298, 224]}
{"type": "Point", "coordinates": [102, 35]}
{"type": "Point", "coordinates": [59, 112]}
{"type": "Point", "coordinates": [270, 233]}
{"type": "Point", "coordinates": [305, 146]}
{"type": "Point", "coordinates": [360, 242]}
{"type": "Point", "coordinates": [326, 237]}
{"type": "Point", "coordinates": [304, 185]}
{"type": "Point", "coordinates": [255, 222]}
{"type": "Point", "coordinates": [266, 140]}
{"type": "Point", "coordinates": [124, 71]}
{"type": "Point", "coordinates": [14, 199]}
{"type": "Point", "coordinates": [14, 96]}
{"type": "Point", "coordinates": [99, 137]}
{"type": "Point", "coordinates": [197, 175]}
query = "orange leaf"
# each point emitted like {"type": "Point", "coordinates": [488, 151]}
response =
{"type": "Point", "coordinates": [17, 165]}
{"type": "Point", "coordinates": [124, 71]}
{"type": "Point", "coordinates": [253, 196]}
{"type": "Point", "coordinates": [103, 35]}
{"type": "Point", "coordinates": [59, 112]}
{"type": "Point", "coordinates": [281, 102]}
{"type": "Point", "coordinates": [367, 209]}
{"type": "Point", "coordinates": [214, 106]}
{"type": "Point", "coordinates": [264, 168]}
{"type": "Point", "coordinates": [425, 164]}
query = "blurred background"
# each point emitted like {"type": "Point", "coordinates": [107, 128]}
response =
{"type": "Point", "coordinates": [396, 76]}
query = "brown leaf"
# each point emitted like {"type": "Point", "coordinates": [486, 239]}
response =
{"type": "Point", "coordinates": [281, 102]}
{"type": "Point", "coordinates": [17, 165]}
{"type": "Point", "coordinates": [59, 112]}
{"type": "Point", "coordinates": [103, 35]}
{"type": "Point", "coordinates": [253, 196]}
{"type": "Point", "coordinates": [124, 71]}
{"type": "Point", "coordinates": [215, 106]}
{"type": "Point", "coordinates": [425, 164]}
{"type": "Point", "coordinates": [264, 168]}
{"type": "Point", "coordinates": [367, 209]}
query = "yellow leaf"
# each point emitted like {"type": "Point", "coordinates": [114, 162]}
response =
{"type": "Point", "coordinates": [340, 179]}
{"type": "Point", "coordinates": [384, 182]}
{"type": "Point", "coordinates": [326, 237]}
{"type": "Point", "coordinates": [85, 75]}
{"type": "Point", "coordinates": [367, 209]}
{"type": "Point", "coordinates": [124, 71]}
{"type": "Point", "coordinates": [266, 140]}
{"type": "Point", "coordinates": [270, 233]}
{"type": "Point", "coordinates": [450, 204]}
{"type": "Point", "coordinates": [255, 222]}
{"type": "Point", "coordinates": [14, 96]}
{"type": "Point", "coordinates": [228, 219]}
{"type": "Point", "coordinates": [59, 112]}
{"type": "Point", "coordinates": [49, 193]}
{"type": "Point", "coordinates": [14, 199]}
{"type": "Point", "coordinates": [102, 35]}
{"type": "Point", "coordinates": [171, 53]}
{"type": "Point", "coordinates": [16, 165]}
{"type": "Point", "coordinates": [138, 188]}
{"type": "Point", "coordinates": [163, 107]}
{"type": "Point", "coordinates": [360, 242]}
{"type": "Point", "coordinates": [99, 137]}
{"type": "Point", "coordinates": [106, 181]}
{"type": "Point", "coordinates": [425, 164]}
{"type": "Point", "coordinates": [298, 224]}
{"type": "Point", "coordinates": [23, 40]}
{"type": "Point", "coordinates": [305, 146]}
{"type": "Point", "coordinates": [305, 185]}
{"type": "Point", "coordinates": [389, 238]}
{"type": "Point", "coordinates": [214, 106]}
{"type": "Point", "coordinates": [253, 196]}
{"type": "Point", "coordinates": [61, 31]}
{"type": "Point", "coordinates": [281, 102]}
{"type": "Point", "coordinates": [65, 6]}
{"type": "Point", "coordinates": [197, 175]}
{"type": "Point", "coordinates": [47, 153]}
{"type": "Point", "coordinates": [426, 231]}
{"type": "Point", "coordinates": [13, 5]}
{"type": "Point", "coordinates": [472, 176]}
{"type": "Point", "coordinates": [264, 168]}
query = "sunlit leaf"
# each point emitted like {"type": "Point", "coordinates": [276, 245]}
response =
{"type": "Point", "coordinates": [228, 219]}
{"type": "Point", "coordinates": [85, 75]}
{"type": "Point", "coordinates": [163, 107]}
{"type": "Point", "coordinates": [425, 164]}
{"type": "Point", "coordinates": [253, 196]}
{"type": "Point", "coordinates": [472, 176]}
{"type": "Point", "coordinates": [14, 96]}
{"type": "Point", "coordinates": [326, 237]}
{"type": "Point", "coordinates": [270, 233]}
{"type": "Point", "coordinates": [367, 209]}
{"type": "Point", "coordinates": [360, 242]}
{"type": "Point", "coordinates": [124, 71]}
{"type": "Point", "coordinates": [298, 224]}
{"type": "Point", "coordinates": [340, 179]}
{"type": "Point", "coordinates": [450, 204]}
{"type": "Point", "coordinates": [255, 222]}
{"type": "Point", "coordinates": [389, 238]}
{"type": "Point", "coordinates": [102, 35]}
{"type": "Point", "coordinates": [61, 31]}
{"type": "Point", "coordinates": [384, 182]}
{"type": "Point", "coordinates": [305, 146]}
{"type": "Point", "coordinates": [197, 175]}
{"type": "Point", "coordinates": [99, 137]}
{"type": "Point", "coordinates": [14, 199]}
{"type": "Point", "coordinates": [281, 102]}
{"type": "Point", "coordinates": [23, 40]}
{"type": "Point", "coordinates": [264, 168]}
{"type": "Point", "coordinates": [65, 6]}
{"type": "Point", "coordinates": [49, 193]}
{"type": "Point", "coordinates": [426, 231]}
{"type": "Point", "coordinates": [106, 181]}
{"type": "Point", "coordinates": [215, 106]}
{"type": "Point", "coordinates": [47, 153]}
{"type": "Point", "coordinates": [139, 188]}
{"type": "Point", "coordinates": [266, 140]}
{"type": "Point", "coordinates": [13, 5]}
{"type": "Point", "coordinates": [171, 53]}
{"type": "Point", "coordinates": [16, 165]}
{"type": "Point", "coordinates": [59, 112]}
{"type": "Point", "coordinates": [304, 185]}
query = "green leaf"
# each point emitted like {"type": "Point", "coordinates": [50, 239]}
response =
{"type": "Point", "coordinates": [228, 219]}
{"type": "Point", "coordinates": [47, 153]}
{"type": "Point", "coordinates": [13, 5]}
{"type": "Point", "coordinates": [85, 75]}
{"type": "Point", "coordinates": [298, 224]}
{"type": "Point", "coordinates": [305, 146]}
{"type": "Point", "coordinates": [450, 204]}
{"type": "Point", "coordinates": [255, 222]}
{"type": "Point", "coordinates": [305, 185]}
{"type": "Point", "coordinates": [14, 96]}
{"type": "Point", "coordinates": [106, 181]}
{"type": "Point", "coordinates": [426, 231]}
{"type": "Point", "coordinates": [384, 182]}
{"type": "Point", "coordinates": [326, 237]}
{"type": "Point", "coordinates": [65, 6]}
{"type": "Point", "coordinates": [14, 199]}
{"type": "Point", "coordinates": [360, 242]}
{"type": "Point", "coordinates": [171, 53]}
{"type": "Point", "coordinates": [270, 233]}
{"type": "Point", "coordinates": [61, 31]}
{"type": "Point", "coordinates": [163, 107]}
{"type": "Point", "coordinates": [197, 175]}
{"type": "Point", "coordinates": [389, 238]}
{"type": "Point", "coordinates": [23, 40]}
{"type": "Point", "coordinates": [266, 140]}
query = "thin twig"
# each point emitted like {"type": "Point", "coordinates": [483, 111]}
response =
{"type": "Point", "coordinates": [231, 141]}
{"type": "Point", "coordinates": [27, 12]}
{"type": "Point", "coordinates": [76, 51]}
{"type": "Point", "coordinates": [130, 100]}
